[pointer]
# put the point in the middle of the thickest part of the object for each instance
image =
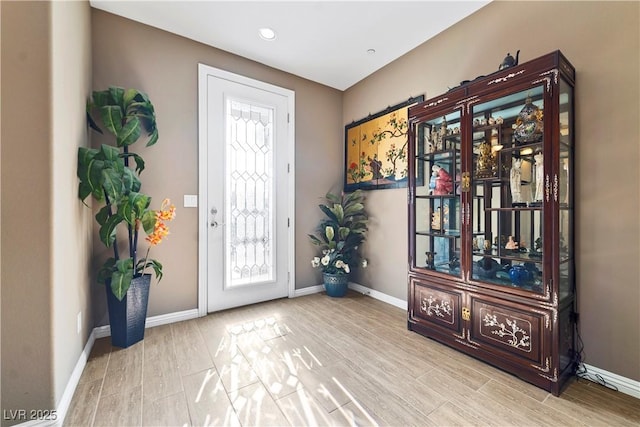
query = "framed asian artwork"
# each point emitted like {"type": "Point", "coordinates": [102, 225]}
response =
{"type": "Point", "coordinates": [376, 149]}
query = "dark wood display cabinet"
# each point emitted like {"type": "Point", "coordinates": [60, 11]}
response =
{"type": "Point", "coordinates": [491, 254]}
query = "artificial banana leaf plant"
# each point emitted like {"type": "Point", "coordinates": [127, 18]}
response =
{"type": "Point", "coordinates": [111, 176]}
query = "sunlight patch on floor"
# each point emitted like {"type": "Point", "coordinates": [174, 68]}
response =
{"type": "Point", "coordinates": [355, 402]}
{"type": "Point", "coordinates": [261, 343]}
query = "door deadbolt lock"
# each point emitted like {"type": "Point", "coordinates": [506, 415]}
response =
{"type": "Point", "coordinates": [214, 223]}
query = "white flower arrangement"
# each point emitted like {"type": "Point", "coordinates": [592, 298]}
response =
{"type": "Point", "coordinates": [331, 263]}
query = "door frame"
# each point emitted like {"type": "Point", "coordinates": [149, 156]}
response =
{"type": "Point", "coordinates": [203, 203]}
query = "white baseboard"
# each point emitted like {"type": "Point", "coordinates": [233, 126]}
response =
{"type": "Point", "coordinates": [102, 331]}
{"type": "Point", "coordinates": [163, 319]}
{"type": "Point", "coordinates": [358, 288]}
{"type": "Point", "coordinates": [308, 291]}
{"type": "Point", "coordinates": [397, 302]}
{"type": "Point", "coordinates": [67, 395]}
{"type": "Point", "coordinates": [623, 384]}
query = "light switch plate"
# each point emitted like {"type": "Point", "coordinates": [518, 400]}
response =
{"type": "Point", "coordinates": [190, 201]}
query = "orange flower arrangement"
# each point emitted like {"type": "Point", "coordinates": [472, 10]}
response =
{"type": "Point", "coordinates": [166, 213]}
{"type": "Point", "coordinates": [160, 230]}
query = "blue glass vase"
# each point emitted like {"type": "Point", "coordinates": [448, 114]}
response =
{"type": "Point", "coordinates": [520, 275]}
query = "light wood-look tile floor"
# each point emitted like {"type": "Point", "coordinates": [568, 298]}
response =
{"type": "Point", "coordinates": [316, 360]}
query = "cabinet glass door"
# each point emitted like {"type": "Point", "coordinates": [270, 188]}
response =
{"type": "Point", "coordinates": [507, 190]}
{"type": "Point", "coordinates": [437, 202]}
{"type": "Point", "coordinates": [562, 190]}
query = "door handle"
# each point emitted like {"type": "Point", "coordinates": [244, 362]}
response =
{"type": "Point", "coordinates": [214, 223]}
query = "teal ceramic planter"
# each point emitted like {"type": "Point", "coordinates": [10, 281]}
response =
{"type": "Point", "coordinates": [336, 285]}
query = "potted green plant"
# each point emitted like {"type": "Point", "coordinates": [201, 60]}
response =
{"type": "Point", "coordinates": [110, 175]}
{"type": "Point", "coordinates": [339, 237]}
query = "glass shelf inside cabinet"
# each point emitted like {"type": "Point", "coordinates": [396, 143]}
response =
{"type": "Point", "coordinates": [506, 201]}
{"type": "Point", "coordinates": [437, 203]}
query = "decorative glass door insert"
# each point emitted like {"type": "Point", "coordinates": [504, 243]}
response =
{"type": "Point", "coordinates": [249, 244]}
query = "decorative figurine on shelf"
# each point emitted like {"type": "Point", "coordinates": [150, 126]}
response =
{"type": "Point", "coordinates": [488, 264]}
{"type": "Point", "coordinates": [539, 163]}
{"type": "Point", "coordinates": [443, 127]}
{"type": "Point", "coordinates": [454, 263]}
{"type": "Point", "coordinates": [438, 135]}
{"type": "Point", "coordinates": [430, 258]}
{"type": "Point", "coordinates": [485, 164]}
{"type": "Point", "coordinates": [537, 251]}
{"type": "Point", "coordinates": [433, 180]}
{"type": "Point", "coordinates": [429, 143]}
{"type": "Point", "coordinates": [529, 124]}
{"type": "Point", "coordinates": [444, 183]}
{"type": "Point", "coordinates": [436, 140]}
{"type": "Point", "coordinates": [509, 61]}
{"type": "Point", "coordinates": [511, 244]}
{"type": "Point", "coordinates": [515, 181]}
{"type": "Point", "coordinates": [435, 219]}
{"type": "Point", "coordinates": [564, 177]}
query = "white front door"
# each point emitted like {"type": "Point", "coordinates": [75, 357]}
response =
{"type": "Point", "coordinates": [247, 139]}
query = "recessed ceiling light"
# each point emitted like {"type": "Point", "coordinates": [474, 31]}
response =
{"type": "Point", "coordinates": [371, 51]}
{"type": "Point", "coordinates": [267, 33]}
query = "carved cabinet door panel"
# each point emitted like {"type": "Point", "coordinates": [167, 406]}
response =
{"type": "Point", "coordinates": [515, 332]}
{"type": "Point", "coordinates": [436, 306]}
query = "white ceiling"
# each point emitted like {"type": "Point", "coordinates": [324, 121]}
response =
{"type": "Point", "coordinates": [323, 41]}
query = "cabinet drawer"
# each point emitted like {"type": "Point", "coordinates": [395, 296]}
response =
{"type": "Point", "coordinates": [435, 305]}
{"type": "Point", "coordinates": [509, 329]}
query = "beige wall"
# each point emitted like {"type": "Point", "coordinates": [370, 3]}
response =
{"type": "Point", "coordinates": [71, 232]}
{"type": "Point", "coordinates": [26, 207]}
{"type": "Point", "coordinates": [165, 66]}
{"type": "Point", "coordinates": [607, 140]}
{"type": "Point", "coordinates": [45, 76]}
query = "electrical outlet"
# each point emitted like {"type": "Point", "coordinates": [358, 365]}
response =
{"type": "Point", "coordinates": [79, 322]}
